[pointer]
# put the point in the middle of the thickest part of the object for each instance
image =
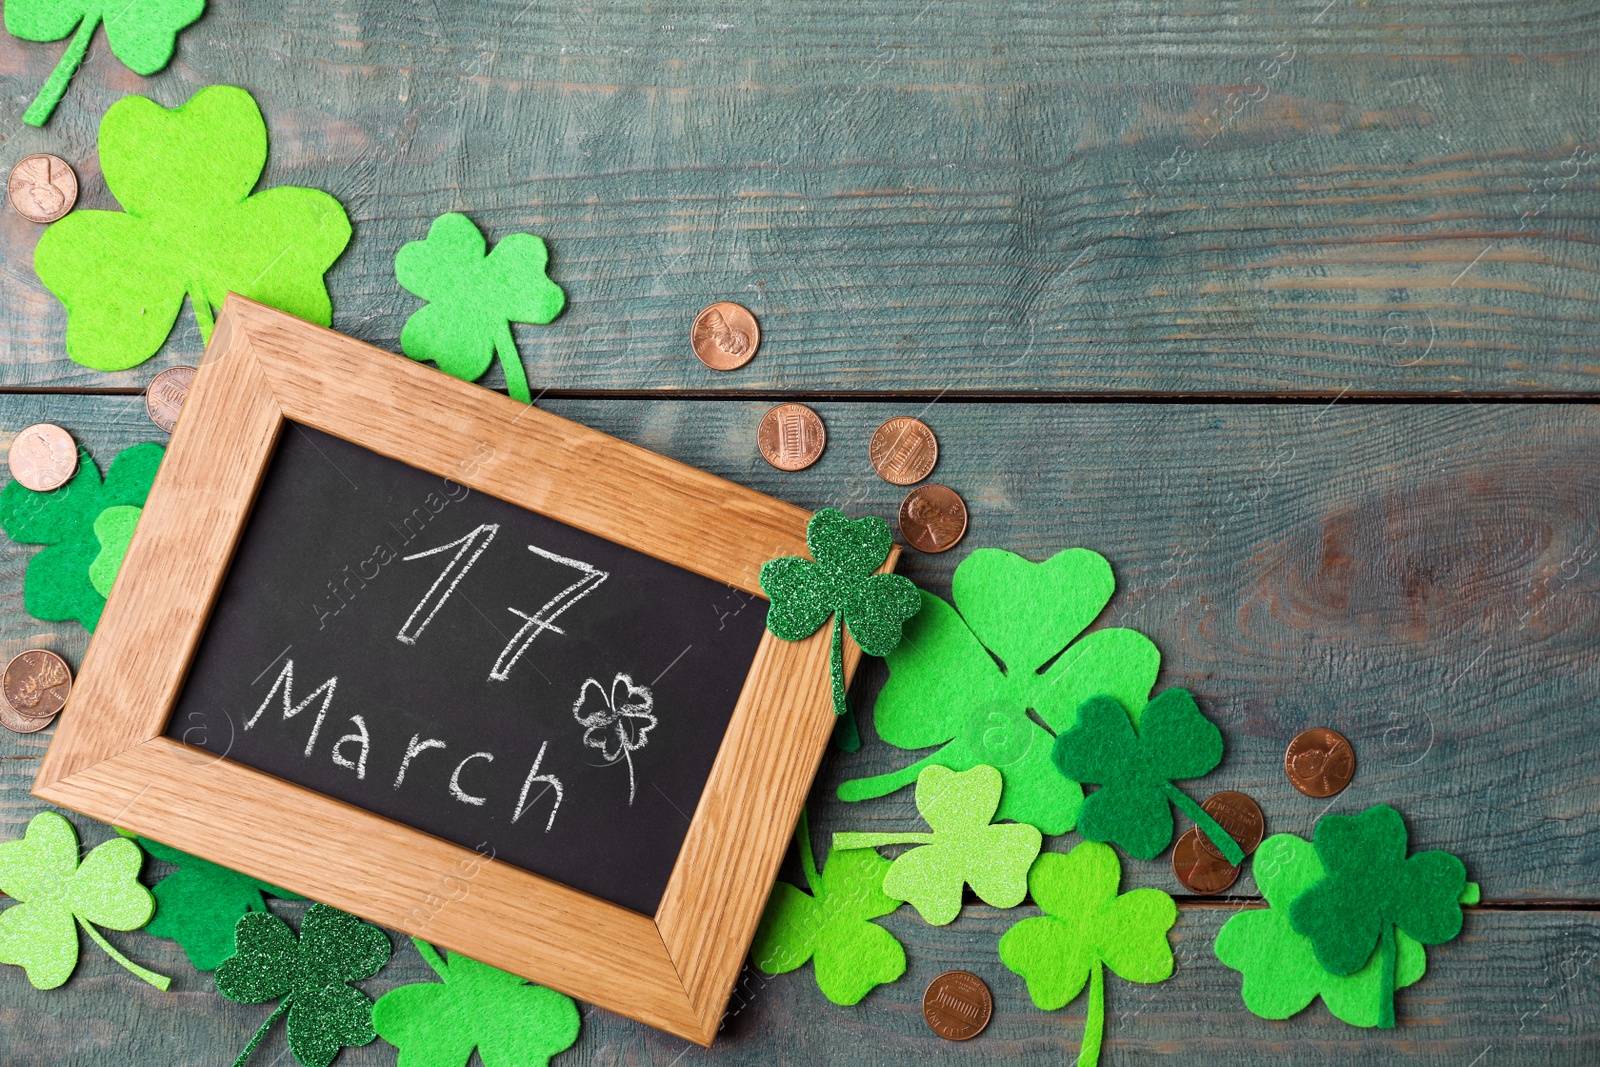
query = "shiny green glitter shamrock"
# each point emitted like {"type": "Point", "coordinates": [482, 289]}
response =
{"type": "Point", "coordinates": [832, 924]}
{"type": "Point", "coordinates": [963, 848]}
{"type": "Point", "coordinates": [511, 1022]}
{"type": "Point", "coordinates": [1135, 770]}
{"type": "Point", "coordinates": [199, 905]}
{"type": "Point", "coordinates": [308, 977]}
{"type": "Point", "coordinates": [54, 892]}
{"type": "Point", "coordinates": [473, 298]}
{"type": "Point", "coordinates": [992, 678]}
{"type": "Point", "coordinates": [1280, 968]}
{"type": "Point", "coordinates": [1085, 928]}
{"type": "Point", "coordinates": [86, 525]}
{"type": "Point", "coordinates": [839, 580]}
{"type": "Point", "coordinates": [1370, 890]}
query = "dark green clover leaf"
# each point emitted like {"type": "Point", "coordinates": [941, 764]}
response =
{"type": "Point", "coordinates": [832, 924]}
{"type": "Point", "coordinates": [991, 679]}
{"type": "Point", "coordinates": [1370, 890]}
{"type": "Point", "coordinates": [308, 977]}
{"type": "Point", "coordinates": [200, 904]}
{"type": "Point", "coordinates": [1135, 770]}
{"type": "Point", "coordinates": [839, 580]}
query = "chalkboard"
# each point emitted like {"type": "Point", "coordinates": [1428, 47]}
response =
{"type": "Point", "coordinates": [469, 668]}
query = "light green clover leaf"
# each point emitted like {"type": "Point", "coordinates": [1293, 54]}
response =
{"type": "Point", "coordinates": [199, 905]}
{"type": "Point", "coordinates": [965, 847]}
{"type": "Point", "coordinates": [113, 528]}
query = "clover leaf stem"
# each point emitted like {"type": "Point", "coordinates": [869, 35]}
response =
{"type": "Point", "coordinates": [202, 311]}
{"type": "Point", "coordinates": [1094, 1027]}
{"type": "Point", "coordinates": [430, 956]}
{"type": "Point", "coordinates": [1221, 838]}
{"type": "Point", "coordinates": [283, 1006]}
{"type": "Point", "coordinates": [884, 784]}
{"type": "Point", "coordinates": [845, 841]}
{"type": "Point", "coordinates": [836, 666]}
{"type": "Point", "coordinates": [39, 111]}
{"type": "Point", "coordinates": [505, 347]}
{"type": "Point", "coordinates": [161, 982]}
{"type": "Point", "coordinates": [1386, 977]}
{"type": "Point", "coordinates": [808, 862]}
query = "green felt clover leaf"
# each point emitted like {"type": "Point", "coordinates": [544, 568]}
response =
{"type": "Point", "coordinates": [1280, 968]}
{"type": "Point", "coordinates": [967, 677]}
{"type": "Point", "coordinates": [190, 226]}
{"type": "Point", "coordinates": [199, 905]}
{"type": "Point", "coordinates": [1135, 770]}
{"type": "Point", "coordinates": [963, 848]}
{"type": "Point", "coordinates": [113, 528]}
{"type": "Point", "coordinates": [473, 298]}
{"type": "Point", "coordinates": [1369, 890]}
{"type": "Point", "coordinates": [831, 924]}
{"type": "Point", "coordinates": [141, 33]}
{"type": "Point", "coordinates": [308, 977]}
{"type": "Point", "coordinates": [1087, 927]}
{"type": "Point", "coordinates": [62, 581]}
{"type": "Point", "coordinates": [54, 891]}
{"type": "Point", "coordinates": [839, 580]}
{"type": "Point", "coordinates": [511, 1022]}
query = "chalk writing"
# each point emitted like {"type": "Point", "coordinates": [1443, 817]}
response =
{"type": "Point", "coordinates": [285, 685]}
{"type": "Point", "coordinates": [474, 542]}
{"type": "Point", "coordinates": [544, 618]}
{"type": "Point", "coordinates": [618, 720]}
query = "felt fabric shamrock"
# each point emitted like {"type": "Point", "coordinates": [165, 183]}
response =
{"type": "Point", "coordinates": [832, 924]}
{"type": "Point", "coordinates": [191, 226]}
{"type": "Point", "coordinates": [839, 580]}
{"type": "Point", "coordinates": [199, 905]}
{"type": "Point", "coordinates": [1280, 968]}
{"type": "Point", "coordinates": [618, 722]}
{"type": "Point", "coordinates": [53, 891]}
{"type": "Point", "coordinates": [1135, 770]}
{"type": "Point", "coordinates": [511, 1022]}
{"type": "Point", "coordinates": [141, 33]}
{"type": "Point", "coordinates": [308, 977]}
{"type": "Point", "coordinates": [1369, 890]}
{"type": "Point", "coordinates": [1087, 927]}
{"type": "Point", "coordinates": [473, 298]}
{"type": "Point", "coordinates": [963, 848]}
{"type": "Point", "coordinates": [971, 681]}
{"type": "Point", "coordinates": [86, 525]}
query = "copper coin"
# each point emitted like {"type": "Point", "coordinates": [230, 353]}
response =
{"type": "Point", "coordinates": [957, 1005]}
{"type": "Point", "coordinates": [164, 396]}
{"type": "Point", "coordinates": [933, 518]}
{"type": "Point", "coordinates": [36, 683]}
{"type": "Point", "coordinates": [43, 457]}
{"type": "Point", "coordinates": [903, 451]}
{"type": "Point", "coordinates": [1200, 871]}
{"type": "Point", "coordinates": [42, 188]}
{"type": "Point", "coordinates": [725, 336]}
{"type": "Point", "coordinates": [1319, 762]}
{"type": "Point", "coordinates": [1240, 816]}
{"type": "Point", "coordinates": [791, 437]}
{"type": "Point", "coordinates": [18, 723]}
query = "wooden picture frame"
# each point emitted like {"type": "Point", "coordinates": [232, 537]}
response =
{"type": "Point", "coordinates": [109, 759]}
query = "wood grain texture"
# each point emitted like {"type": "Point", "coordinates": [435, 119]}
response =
{"type": "Point", "coordinates": [1289, 196]}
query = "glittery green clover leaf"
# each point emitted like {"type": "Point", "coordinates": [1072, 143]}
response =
{"type": "Point", "coordinates": [971, 678]}
{"type": "Point", "coordinates": [53, 891]}
{"type": "Point", "coordinates": [1369, 890]}
{"type": "Point", "coordinates": [473, 298]}
{"type": "Point", "coordinates": [832, 924]}
{"type": "Point", "coordinates": [65, 580]}
{"type": "Point", "coordinates": [1280, 968]}
{"type": "Point", "coordinates": [308, 977]}
{"type": "Point", "coordinates": [993, 858]}
{"type": "Point", "coordinates": [199, 905]}
{"type": "Point", "coordinates": [141, 33]}
{"type": "Point", "coordinates": [511, 1022]}
{"type": "Point", "coordinates": [1087, 927]}
{"type": "Point", "coordinates": [190, 226]}
{"type": "Point", "coordinates": [839, 580]}
{"type": "Point", "coordinates": [1135, 771]}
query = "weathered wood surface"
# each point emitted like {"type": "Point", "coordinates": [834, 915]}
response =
{"type": "Point", "coordinates": [1100, 196]}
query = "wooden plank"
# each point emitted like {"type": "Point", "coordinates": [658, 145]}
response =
{"type": "Point", "coordinates": [1256, 198]}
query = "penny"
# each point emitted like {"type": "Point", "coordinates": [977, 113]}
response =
{"type": "Point", "coordinates": [36, 683]}
{"type": "Point", "coordinates": [164, 396]}
{"type": "Point", "coordinates": [18, 723]}
{"type": "Point", "coordinates": [903, 451]}
{"type": "Point", "coordinates": [725, 336]}
{"type": "Point", "coordinates": [1200, 871]}
{"type": "Point", "coordinates": [957, 1005]}
{"type": "Point", "coordinates": [1237, 814]}
{"type": "Point", "coordinates": [43, 457]}
{"type": "Point", "coordinates": [791, 437]}
{"type": "Point", "coordinates": [933, 518]}
{"type": "Point", "coordinates": [1319, 762]}
{"type": "Point", "coordinates": [42, 188]}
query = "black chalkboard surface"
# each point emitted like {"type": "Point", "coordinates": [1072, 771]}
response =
{"type": "Point", "coordinates": [469, 668]}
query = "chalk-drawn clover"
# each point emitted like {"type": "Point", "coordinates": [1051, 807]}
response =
{"type": "Point", "coordinates": [618, 720]}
